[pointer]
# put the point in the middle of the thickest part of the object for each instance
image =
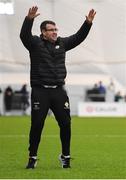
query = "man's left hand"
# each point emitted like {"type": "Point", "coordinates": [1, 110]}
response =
{"type": "Point", "coordinates": [90, 16]}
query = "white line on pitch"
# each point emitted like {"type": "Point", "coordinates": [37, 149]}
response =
{"type": "Point", "coordinates": [55, 136]}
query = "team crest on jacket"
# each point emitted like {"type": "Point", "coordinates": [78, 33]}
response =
{"type": "Point", "coordinates": [57, 47]}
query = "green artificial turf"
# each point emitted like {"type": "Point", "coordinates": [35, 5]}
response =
{"type": "Point", "coordinates": [98, 149]}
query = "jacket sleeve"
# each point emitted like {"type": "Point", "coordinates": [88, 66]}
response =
{"type": "Point", "coordinates": [75, 39]}
{"type": "Point", "coordinates": [26, 34]}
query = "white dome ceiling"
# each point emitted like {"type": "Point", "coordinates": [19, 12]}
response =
{"type": "Point", "coordinates": [104, 50]}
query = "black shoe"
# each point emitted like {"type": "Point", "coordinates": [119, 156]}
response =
{"type": "Point", "coordinates": [31, 163]}
{"type": "Point", "coordinates": [65, 161]}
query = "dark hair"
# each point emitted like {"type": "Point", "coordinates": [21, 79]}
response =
{"type": "Point", "coordinates": [44, 23]}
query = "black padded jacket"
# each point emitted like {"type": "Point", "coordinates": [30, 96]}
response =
{"type": "Point", "coordinates": [48, 59]}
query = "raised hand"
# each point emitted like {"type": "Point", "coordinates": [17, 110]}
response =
{"type": "Point", "coordinates": [90, 16]}
{"type": "Point", "coordinates": [32, 13]}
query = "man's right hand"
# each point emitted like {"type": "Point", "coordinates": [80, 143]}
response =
{"type": "Point", "coordinates": [32, 13]}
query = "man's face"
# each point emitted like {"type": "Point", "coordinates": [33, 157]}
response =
{"type": "Point", "coordinates": [50, 33]}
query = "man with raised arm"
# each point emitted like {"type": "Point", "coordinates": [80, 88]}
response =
{"type": "Point", "coordinates": [47, 77]}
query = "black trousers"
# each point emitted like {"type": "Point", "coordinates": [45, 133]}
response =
{"type": "Point", "coordinates": [57, 100]}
